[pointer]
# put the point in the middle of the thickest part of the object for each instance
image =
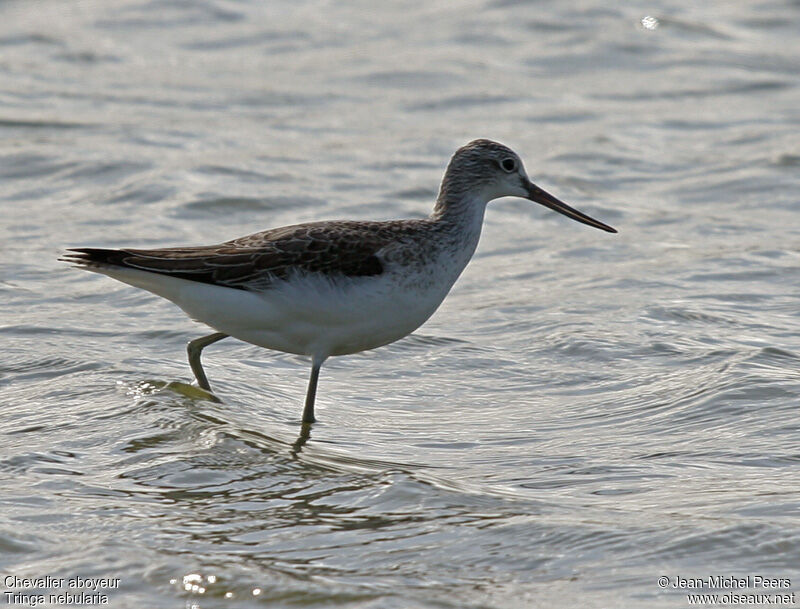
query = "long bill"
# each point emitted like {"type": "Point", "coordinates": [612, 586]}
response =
{"type": "Point", "coordinates": [537, 195]}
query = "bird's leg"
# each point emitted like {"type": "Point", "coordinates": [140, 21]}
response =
{"type": "Point", "coordinates": [308, 411]}
{"type": "Point", "coordinates": [305, 434]}
{"type": "Point", "coordinates": [194, 348]}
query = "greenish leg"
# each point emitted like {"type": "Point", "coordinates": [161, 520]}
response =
{"type": "Point", "coordinates": [194, 348]}
{"type": "Point", "coordinates": [311, 394]}
{"type": "Point", "coordinates": [305, 434]}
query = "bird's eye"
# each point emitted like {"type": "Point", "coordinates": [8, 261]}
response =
{"type": "Point", "coordinates": [508, 165]}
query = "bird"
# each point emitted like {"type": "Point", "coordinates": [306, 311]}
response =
{"type": "Point", "coordinates": [331, 288]}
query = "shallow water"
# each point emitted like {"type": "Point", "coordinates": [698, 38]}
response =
{"type": "Point", "coordinates": [585, 413]}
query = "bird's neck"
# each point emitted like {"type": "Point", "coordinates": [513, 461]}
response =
{"type": "Point", "coordinates": [460, 210]}
{"type": "Point", "coordinates": [459, 219]}
{"type": "Point", "coordinates": [460, 205]}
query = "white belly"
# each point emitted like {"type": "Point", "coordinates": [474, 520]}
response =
{"type": "Point", "coordinates": [308, 315]}
{"type": "Point", "coordinates": [313, 316]}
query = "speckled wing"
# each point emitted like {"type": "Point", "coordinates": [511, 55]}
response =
{"type": "Point", "coordinates": [256, 261]}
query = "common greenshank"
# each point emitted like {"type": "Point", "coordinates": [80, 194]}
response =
{"type": "Point", "coordinates": [322, 289]}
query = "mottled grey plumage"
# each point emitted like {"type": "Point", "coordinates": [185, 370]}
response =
{"type": "Point", "coordinates": [256, 261]}
{"type": "Point", "coordinates": [344, 248]}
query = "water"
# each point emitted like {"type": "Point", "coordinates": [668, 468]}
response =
{"type": "Point", "coordinates": [585, 413]}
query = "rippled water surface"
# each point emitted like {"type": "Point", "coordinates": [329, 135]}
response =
{"type": "Point", "coordinates": [585, 413]}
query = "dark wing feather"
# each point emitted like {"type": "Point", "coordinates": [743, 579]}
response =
{"type": "Point", "coordinates": [255, 261]}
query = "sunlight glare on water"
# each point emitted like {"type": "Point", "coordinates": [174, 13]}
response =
{"type": "Point", "coordinates": [649, 22]}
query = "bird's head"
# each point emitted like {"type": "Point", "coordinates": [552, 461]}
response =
{"type": "Point", "coordinates": [484, 170]}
